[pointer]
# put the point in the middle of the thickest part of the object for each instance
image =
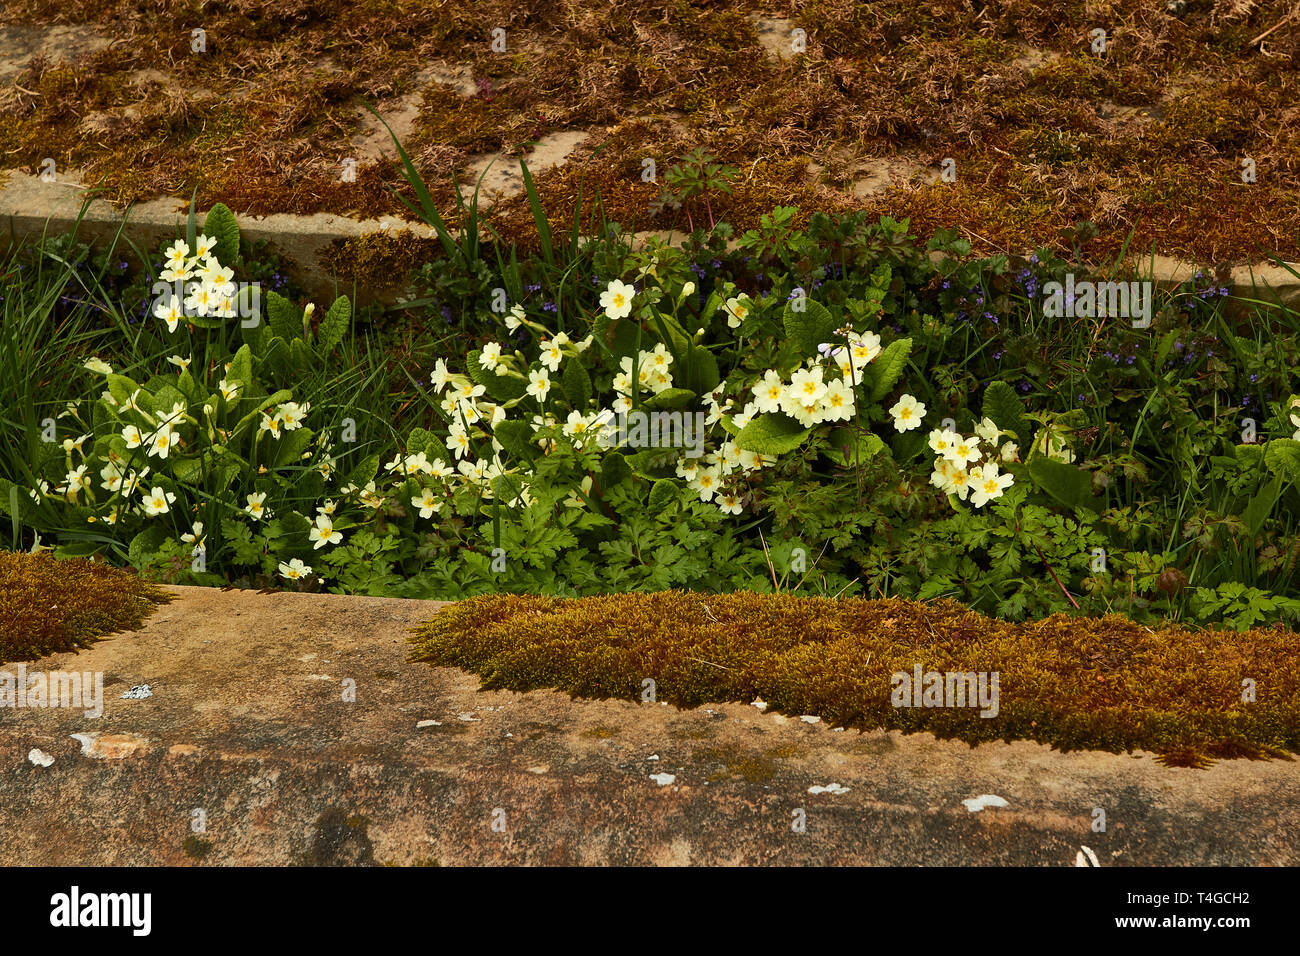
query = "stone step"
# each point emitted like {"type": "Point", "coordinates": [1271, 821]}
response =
{"type": "Point", "coordinates": [247, 726]}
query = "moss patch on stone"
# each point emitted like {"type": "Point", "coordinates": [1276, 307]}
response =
{"type": "Point", "coordinates": [1071, 682]}
{"type": "Point", "coordinates": [48, 606]}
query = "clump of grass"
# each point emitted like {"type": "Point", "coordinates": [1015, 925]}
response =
{"type": "Point", "coordinates": [1072, 682]}
{"type": "Point", "coordinates": [47, 606]}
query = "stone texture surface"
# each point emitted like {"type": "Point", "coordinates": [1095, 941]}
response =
{"type": "Point", "coordinates": [247, 722]}
{"type": "Point", "coordinates": [31, 208]}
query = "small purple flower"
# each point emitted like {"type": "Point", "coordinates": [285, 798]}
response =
{"type": "Point", "coordinates": [535, 287]}
{"type": "Point", "coordinates": [550, 307]}
{"type": "Point", "coordinates": [796, 293]}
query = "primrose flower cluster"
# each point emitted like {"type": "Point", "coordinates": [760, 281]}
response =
{"type": "Point", "coordinates": [957, 470]}
{"type": "Point", "coordinates": [212, 295]}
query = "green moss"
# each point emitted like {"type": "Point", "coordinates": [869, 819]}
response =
{"type": "Point", "coordinates": [47, 606]}
{"type": "Point", "coordinates": [1071, 682]}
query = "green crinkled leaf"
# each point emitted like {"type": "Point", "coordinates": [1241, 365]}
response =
{"type": "Point", "coordinates": [664, 493]}
{"type": "Point", "coordinates": [122, 388]}
{"type": "Point", "coordinates": [187, 470]}
{"type": "Point", "coordinates": [168, 397]}
{"type": "Point", "coordinates": [1261, 506]}
{"type": "Point", "coordinates": [516, 438]}
{"type": "Point", "coordinates": [145, 543]}
{"type": "Point", "coordinates": [423, 440]}
{"type": "Point", "coordinates": [669, 398]}
{"type": "Point", "coordinates": [1282, 458]}
{"type": "Point", "coordinates": [698, 371]}
{"type": "Point", "coordinates": [301, 355]}
{"type": "Point", "coordinates": [220, 225]}
{"type": "Point", "coordinates": [288, 451]}
{"type": "Point", "coordinates": [850, 446]}
{"type": "Point", "coordinates": [365, 471]}
{"type": "Point", "coordinates": [1066, 484]}
{"type": "Point", "coordinates": [614, 469]}
{"type": "Point", "coordinates": [809, 328]}
{"type": "Point", "coordinates": [653, 463]}
{"type": "Point", "coordinates": [576, 384]}
{"type": "Point", "coordinates": [334, 326]}
{"type": "Point", "coordinates": [241, 368]}
{"type": "Point", "coordinates": [1003, 405]}
{"type": "Point", "coordinates": [772, 434]}
{"type": "Point", "coordinates": [887, 368]}
{"type": "Point", "coordinates": [283, 317]}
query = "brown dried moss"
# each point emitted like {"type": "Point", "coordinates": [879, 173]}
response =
{"type": "Point", "coordinates": [1147, 137]}
{"type": "Point", "coordinates": [1071, 682]}
{"type": "Point", "coordinates": [47, 605]}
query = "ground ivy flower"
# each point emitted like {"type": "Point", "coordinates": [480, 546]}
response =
{"type": "Point", "coordinates": [158, 502]}
{"type": "Point", "coordinates": [987, 484]}
{"type": "Point", "coordinates": [294, 569]}
{"type": "Point", "coordinates": [616, 300]}
{"type": "Point", "coordinates": [908, 413]}
{"type": "Point", "coordinates": [323, 533]}
{"type": "Point", "coordinates": [255, 506]}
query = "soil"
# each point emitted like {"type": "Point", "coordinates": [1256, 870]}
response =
{"type": "Point", "coordinates": [1146, 139]}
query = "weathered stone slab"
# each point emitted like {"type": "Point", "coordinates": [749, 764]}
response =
{"type": "Point", "coordinates": [246, 727]}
